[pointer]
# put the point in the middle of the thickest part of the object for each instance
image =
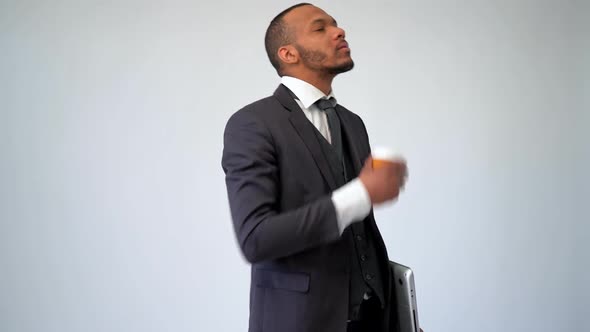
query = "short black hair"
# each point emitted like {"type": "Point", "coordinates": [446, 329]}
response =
{"type": "Point", "coordinates": [279, 34]}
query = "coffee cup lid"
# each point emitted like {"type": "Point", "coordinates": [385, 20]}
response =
{"type": "Point", "coordinates": [385, 153]}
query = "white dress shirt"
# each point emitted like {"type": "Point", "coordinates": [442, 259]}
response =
{"type": "Point", "coordinates": [352, 201]}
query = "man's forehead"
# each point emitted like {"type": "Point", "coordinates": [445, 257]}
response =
{"type": "Point", "coordinates": [306, 14]}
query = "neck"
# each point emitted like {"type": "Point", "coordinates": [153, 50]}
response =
{"type": "Point", "coordinates": [322, 82]}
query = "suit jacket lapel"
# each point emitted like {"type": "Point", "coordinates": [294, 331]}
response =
{"type": "Point", "coordinates": [305, 130]}
{"type": "Point", "coordinates": [349, 135]}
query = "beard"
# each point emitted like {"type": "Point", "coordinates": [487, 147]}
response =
{"type": "Point", "coordinates": [314, 59]}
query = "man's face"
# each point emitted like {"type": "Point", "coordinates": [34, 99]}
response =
{"type": "Point", "coordinates": [319, 41]}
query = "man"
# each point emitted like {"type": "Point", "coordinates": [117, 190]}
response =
{"type": "Point", "coordinates": [301, 187]}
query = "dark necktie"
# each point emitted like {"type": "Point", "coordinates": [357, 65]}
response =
{"type": "Point", "coordinates": [334, 124]}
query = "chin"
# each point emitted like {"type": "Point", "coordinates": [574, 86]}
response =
{"type": "Point", "coordinates": [343, 67]}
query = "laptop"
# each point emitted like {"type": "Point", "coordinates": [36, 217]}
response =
{"type": "Point", "coordinates": [405, 296]}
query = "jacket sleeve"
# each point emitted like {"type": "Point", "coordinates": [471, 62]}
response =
{"type": "Point", "coordinates": [252, 178]}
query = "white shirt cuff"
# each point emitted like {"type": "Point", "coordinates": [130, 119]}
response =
{"type": "Point", "coordinates": [352, 203]}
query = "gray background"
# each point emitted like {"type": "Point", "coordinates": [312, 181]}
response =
{"type": "Point", "coordinates": [113, 212]}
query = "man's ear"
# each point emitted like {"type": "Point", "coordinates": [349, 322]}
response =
{"type": "Point", "coordinates": [288, 54]}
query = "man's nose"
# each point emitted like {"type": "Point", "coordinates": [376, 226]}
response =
{"type": "Point", "coordinates": [340, 33]}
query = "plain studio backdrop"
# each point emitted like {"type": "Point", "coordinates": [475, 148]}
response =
{"type": "Point", "coordinates": [113, 210]}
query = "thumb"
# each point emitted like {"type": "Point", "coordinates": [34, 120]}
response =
{"type": "Point", "coordinates": [368, 163]}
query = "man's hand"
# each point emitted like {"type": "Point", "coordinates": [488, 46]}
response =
{"type": "Point", "coordinates": [385, 182]}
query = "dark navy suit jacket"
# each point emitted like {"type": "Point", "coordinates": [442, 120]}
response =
{"type": "Point", "coordinates": [279, 187]}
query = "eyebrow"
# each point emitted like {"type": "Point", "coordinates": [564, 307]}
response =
{"type": "Point", "coordinates": [323, 20]}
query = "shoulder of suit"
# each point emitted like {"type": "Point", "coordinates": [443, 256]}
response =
{"type": "Point", "coordinates": [343, 111]}
{"type": "Point", "coordinates": [261, 103]}
{"type": "Point", "coordinates": [256, 112]}
{"type": "Point", "coordinates": [266, 104]}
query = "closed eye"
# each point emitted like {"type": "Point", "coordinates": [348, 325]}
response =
{"type": "Point", "coordinates": [320, 24]}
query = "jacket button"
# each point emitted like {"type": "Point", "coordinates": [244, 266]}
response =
{"type": "Point", "coordinates": [363, 258]}
{"type": "Point", "coordinates": [359, 238]}
{"type": "Point", "coordinates": [369, 276]}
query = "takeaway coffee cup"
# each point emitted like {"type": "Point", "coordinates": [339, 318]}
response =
{"type": "Point", "coordinates": [382, 155]}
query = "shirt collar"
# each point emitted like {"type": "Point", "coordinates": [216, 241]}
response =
{"type": "Point", "coordinates": [305, 92]}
